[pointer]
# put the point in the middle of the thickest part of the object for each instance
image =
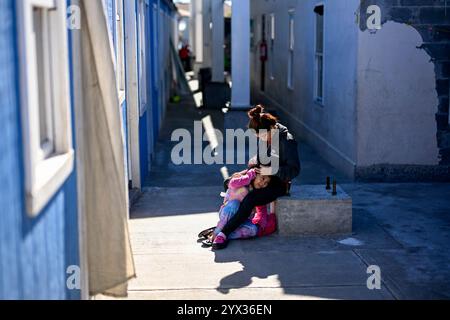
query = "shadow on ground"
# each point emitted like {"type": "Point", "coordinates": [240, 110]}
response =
{"type": "Point", "coordinates": [402, 228]}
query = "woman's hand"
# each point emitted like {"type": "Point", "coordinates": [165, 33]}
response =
{"type": "Point", "coordinates": [253, 162]}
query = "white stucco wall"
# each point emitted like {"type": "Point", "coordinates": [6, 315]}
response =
{"type": "Point", "coordinates": [329, 128]}
{"type": "Point", "coordinates": [397, 99]}
{"type": "Point", "coordinates": [184, 36]}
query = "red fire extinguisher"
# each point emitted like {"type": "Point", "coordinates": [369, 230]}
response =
{"type": "Point", "coordinates": [263, 51]}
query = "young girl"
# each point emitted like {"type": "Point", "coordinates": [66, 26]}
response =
{"type": "Point", "coordinates": [238, 188]}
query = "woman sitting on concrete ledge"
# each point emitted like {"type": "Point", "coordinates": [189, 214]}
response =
{"type": "Point", "coordinates": [284, 148]}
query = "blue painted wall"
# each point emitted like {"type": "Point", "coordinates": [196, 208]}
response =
{"type": "Point", "coordinates": [144, 147]}
{"type": "Point", "coordinates": [143, 137]}
{"type": "Point", "coordinates": [155, 70]}
{"type": "Point", "coordinates": [34, 253]}
{"type": "Point", "coordinates": [111, 11]}
{"type": "Point", "coordinates": [157, 39]}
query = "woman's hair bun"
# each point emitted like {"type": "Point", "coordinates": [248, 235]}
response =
{"type": "Point", "coordinates": [256, 112]}
{"type": "Point", "coordinates": [260, 120]}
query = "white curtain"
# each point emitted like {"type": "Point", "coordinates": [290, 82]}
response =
{"type": "Point", "coordinates": [109, 255]}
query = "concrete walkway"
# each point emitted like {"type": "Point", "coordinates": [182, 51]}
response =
{"type": "Point", "coordinates": [404, 229]}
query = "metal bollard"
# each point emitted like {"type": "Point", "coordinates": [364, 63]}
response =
{"type": "Point", "coordinates": [328, 183]}
{"type": "Point", "coordinates": [334, 188]}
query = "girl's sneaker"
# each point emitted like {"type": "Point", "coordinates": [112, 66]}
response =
{"type": "Point", "coordinates": [220, 242]}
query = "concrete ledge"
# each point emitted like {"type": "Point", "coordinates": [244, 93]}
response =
{"type": "Point", "coordinates": [312, 210]}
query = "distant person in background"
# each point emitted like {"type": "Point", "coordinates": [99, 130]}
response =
{"type": "Point", "coordinates": [185, 56]}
